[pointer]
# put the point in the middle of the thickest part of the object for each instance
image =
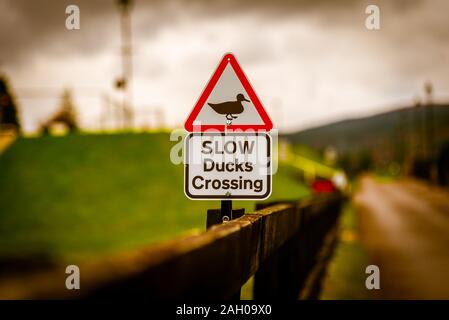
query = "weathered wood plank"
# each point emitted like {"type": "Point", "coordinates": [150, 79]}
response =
{"type": "Point", "coordinates": [210, 265]}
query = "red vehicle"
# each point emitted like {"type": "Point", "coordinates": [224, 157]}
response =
{"type": "Point", "coordinates": [323, 185]}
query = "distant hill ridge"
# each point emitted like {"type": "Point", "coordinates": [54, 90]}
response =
{"type": "Point", "coordinates": [380, 133]}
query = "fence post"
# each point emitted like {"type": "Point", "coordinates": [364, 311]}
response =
{"type": "Point", "coordinates": [279, 276]}
{"type": "Point", "coordinates": [287, 271]}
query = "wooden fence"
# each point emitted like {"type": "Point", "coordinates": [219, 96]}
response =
{"type": "Point", "coordinates": [285, 246]}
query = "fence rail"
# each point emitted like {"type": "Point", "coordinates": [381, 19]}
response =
{"type": "Point", "coordinates": [283, 245]}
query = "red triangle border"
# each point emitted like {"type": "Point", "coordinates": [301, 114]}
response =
{"type": "Point", "coordinates": [229, 58]}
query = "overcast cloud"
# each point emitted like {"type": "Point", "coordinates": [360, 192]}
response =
{"type": "Point", "coordinates": [309, 62]}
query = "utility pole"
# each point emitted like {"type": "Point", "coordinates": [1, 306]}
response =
{"type": "Point", "coordinates": [417, 145]}
{"type": "Point", "coordinates": [402, 149]}
{"type": "Point", "coordinates": [429, 120]}
{"type": "Point", "coordinates": [124, 83]}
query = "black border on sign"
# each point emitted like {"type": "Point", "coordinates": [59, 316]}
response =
{"type": "Point", "coordinates": [222, 197]}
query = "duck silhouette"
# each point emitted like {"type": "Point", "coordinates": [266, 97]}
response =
{"type": "Point", "coordinates": [229, 108]}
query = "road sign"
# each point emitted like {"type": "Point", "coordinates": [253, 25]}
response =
{"type": "Point", "coordinates": [227, 166]}
{"type": "Point", "coordinates": [228, 102]}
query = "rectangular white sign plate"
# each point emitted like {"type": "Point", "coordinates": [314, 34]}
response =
{"type": "Point", "coordinates": [227, 165]}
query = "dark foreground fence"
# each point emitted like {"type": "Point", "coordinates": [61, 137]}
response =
{"type": "Point", "coordinates": [285, 246]}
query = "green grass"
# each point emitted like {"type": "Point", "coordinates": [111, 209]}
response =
{"type": "Point", "coordinates": [79, 196]}
{"type": "Point", "coordinates": [345, 278]}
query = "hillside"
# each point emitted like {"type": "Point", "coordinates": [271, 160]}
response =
{"type": "Point", "coordinates": [80, 196]}
{"type": "Point", "coordinates": [384, 134]}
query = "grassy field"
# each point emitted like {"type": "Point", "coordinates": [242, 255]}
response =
{"type": "Point", "coordinates": [346, 276]}
{"type": "Point", "coordinates": [79, 196]}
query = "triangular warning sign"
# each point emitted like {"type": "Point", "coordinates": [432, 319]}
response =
{"type": "Point", "coordinates": [228, 102]}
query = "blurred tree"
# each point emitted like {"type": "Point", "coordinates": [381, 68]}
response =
{"type": "Point", "coordinates": [8, 107]}
{"type": "Point", "coordinates": [443, 165]}
{"type": "Point", "coordinates": [66, 115]}
{"type": "Point", "coordinates": [68, 110]}
{"type": "Point", "coordinates": [349, 162]}
{"type": "Point", "coordinates": [365, 161]}
{"type": "Point", "coordinates": [356, 163]}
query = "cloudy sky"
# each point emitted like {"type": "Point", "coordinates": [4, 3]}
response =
{"type": "Point", "coordinates": [309, 62]}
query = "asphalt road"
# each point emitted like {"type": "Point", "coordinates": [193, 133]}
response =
{"type": "Point", "coordinates": [405, 227]}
